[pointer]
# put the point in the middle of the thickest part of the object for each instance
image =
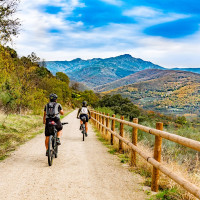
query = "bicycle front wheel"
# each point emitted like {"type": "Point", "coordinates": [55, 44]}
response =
{"type": "Point", "coordinates": [50, 150]}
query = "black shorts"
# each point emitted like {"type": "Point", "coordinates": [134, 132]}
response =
{"type": "Point", "coordinates": [84, 115]}
{"type": "Point", "coordinates": [59, 126]}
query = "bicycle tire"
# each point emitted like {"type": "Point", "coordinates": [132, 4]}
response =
{"type": "Point", "coordinates": [83, 134]}
{"type": "Point", "coordinates": [56, 149]}
{"type": "Point", "coordinates": [50, 151]}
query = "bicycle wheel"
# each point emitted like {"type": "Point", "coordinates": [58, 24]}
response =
{"type": "Point", "coordinates": [83, 132]}
{"type": "Point", "coordinates": [50, 150]}
{"type": "Point", "coordinates": [55, 148]}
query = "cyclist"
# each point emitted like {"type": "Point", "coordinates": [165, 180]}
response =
{"type": "Point", "coordinates": [84, 111]}
{"type": "Point", "coordinates": [52, 112]}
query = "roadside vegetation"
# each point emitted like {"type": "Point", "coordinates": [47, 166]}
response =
{"type": "Point", "coordinates": [177, 157]}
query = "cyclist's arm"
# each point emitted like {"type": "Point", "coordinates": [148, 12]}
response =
{"type": "Point", "coordinates": [62, 112]}
{"type": "Point", "coordinates": [60, 109]}
{"type": "Point", "coordinates": [89, 113]}
{"type": "Point", "coordinates": [78, 112]}
{"type": "Point", "coordinates": [44, 117]}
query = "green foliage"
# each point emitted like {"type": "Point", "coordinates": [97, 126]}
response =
{"type": "Point", "coordinates": [120, 105]}
{"type": "Point", "coordinates": [88, 95]}
{"type": "Point", "coordinates": [26, 85]}
{"type": "Point", "coordinates": [8, 25]}
{"type": "Point", "coordinates": [181, 120]}
{"type": "Point", "coordinates": [63, 77]}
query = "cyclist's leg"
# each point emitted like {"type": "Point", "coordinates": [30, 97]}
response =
{"type": "Point", "coordinates": [47, 142]}
{"type": "Point", "coordinates": [86, 127]}
{"type": "Point", "coordinates": [59, 134]}
{"type": "Point", "coordinates": [59, 128]}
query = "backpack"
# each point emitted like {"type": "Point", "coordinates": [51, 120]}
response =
{"type": "Point", "coordinates": [51, 111]}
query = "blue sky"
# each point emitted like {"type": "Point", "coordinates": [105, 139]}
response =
{"type": "Point", "coordinates": [165, 32]}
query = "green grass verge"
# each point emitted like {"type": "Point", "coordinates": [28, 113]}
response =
{"type": "Point", "coordinates": [17, 129]}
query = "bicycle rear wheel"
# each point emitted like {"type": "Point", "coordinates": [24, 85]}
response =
{"type": "Point", "coordinates": [83, 131]}
{"type": "Point", "coordinates": [50, 150]}
{"type": "Point", "coordinates": [56, 149]}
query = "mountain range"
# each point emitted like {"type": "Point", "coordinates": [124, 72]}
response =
{"type": "Point", "coordinates": [149, 85]}
{"type": "Point", "coordinates": [99, 71]}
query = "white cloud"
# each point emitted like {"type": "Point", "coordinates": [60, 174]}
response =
{"type": "Point", "coordinates": [148, 16]}
{"type": "Point", "coordinates": [112, 40]}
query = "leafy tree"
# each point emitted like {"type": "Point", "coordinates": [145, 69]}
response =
{"type": "Point", "coordinates": [63, 77]}
{"type": "Point", "coordinates": [33, 58]}
{"type": "Point", "coordinates": [8, 26]}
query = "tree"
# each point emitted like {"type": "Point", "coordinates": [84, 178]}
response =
{"type": "Point", "coordinates": [63, 77]}
{"type": "Point", "coordinates": [8, 26]}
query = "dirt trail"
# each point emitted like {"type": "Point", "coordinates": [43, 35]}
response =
{"type": "Point", "coordinates": [82, 171]}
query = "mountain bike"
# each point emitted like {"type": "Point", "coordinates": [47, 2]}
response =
{"type": "Point", "coordinates": [52, 146]}
{"type": "Point", "coordinates": [83, 130]}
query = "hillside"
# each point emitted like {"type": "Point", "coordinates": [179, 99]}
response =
{"type": "Point", "coordinates": [140, 76]}
{"type": "Point", "coordinates": [168, 91]}
{"type": "Point", "coordinates": [99, 71]}
{"type": "Point", "coordinates": [195, 70]}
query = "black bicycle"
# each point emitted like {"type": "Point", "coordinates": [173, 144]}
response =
{"type": "Point", "coordinates": [83, 130]}
{"type": "Point", "coordinates": [53, 147]}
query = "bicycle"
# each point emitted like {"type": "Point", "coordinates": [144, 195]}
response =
{"type": "Point", "coordinates": [52, 146]}
{"type": "Point", "coordinates": [83, 130]}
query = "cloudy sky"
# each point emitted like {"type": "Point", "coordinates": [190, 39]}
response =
{"type": "Point", "coordinates": [165, 32]}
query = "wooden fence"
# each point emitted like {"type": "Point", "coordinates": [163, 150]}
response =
{"type": "Point", "coordinates": [101, 121]}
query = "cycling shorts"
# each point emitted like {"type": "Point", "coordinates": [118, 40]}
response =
{"type": "Point", "coordinates": [84, 115]}
{"type": "Point", "coordinates": [59, 126]}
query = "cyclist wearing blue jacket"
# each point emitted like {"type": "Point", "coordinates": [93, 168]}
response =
{"type": "Point", "coordinates": [84, 111]}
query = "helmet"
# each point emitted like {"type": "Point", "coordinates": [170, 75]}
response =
{"type": "Point", "coordinates": [53, 97]}
{"type": "Point", "coordinates": [84, 103]}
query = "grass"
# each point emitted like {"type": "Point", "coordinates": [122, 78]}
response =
{"type": "Point", "coordinates": [17, 129]}
{"type": "Point", "coordinates": [169, 194]}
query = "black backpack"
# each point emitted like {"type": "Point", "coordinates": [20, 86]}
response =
{"type": "Point", "coordinates": [51, 112]}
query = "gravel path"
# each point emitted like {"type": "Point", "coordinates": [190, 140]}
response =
{"type": "Point", "coordinates": [82, 171]}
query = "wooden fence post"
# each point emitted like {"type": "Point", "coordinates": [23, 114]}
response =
{"type": "Point", "coordinates": [103, 122]}
{"type": "Point", "coordinates": [97, 120]}
{"type": "Point", "coordinates": [96, 117]}
{"type": "Point", "coordinates": [134, 141]}
{"type": "Point", "coordinates": [107, 123]}
{"type": "Point", "coordinates": [157, 156]}
{"type": "Point", "coordinates": [100, 118]}
{"type": "Point", "coordinates": [121, 133]}
{"type": "Point", "coordinates": [113, 129]}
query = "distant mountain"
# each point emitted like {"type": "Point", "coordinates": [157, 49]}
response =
{"type": "Point", "coordinates": [195, 70]}
{"type": "Point", "coordinates": [99, 71]}
{"type": "Point", "coordinates": [167, 91]}
{"type": "Point", "coordinates": [140, 76]}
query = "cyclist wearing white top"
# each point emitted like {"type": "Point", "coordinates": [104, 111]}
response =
{"type": "Point", "coordinates": [84, 112]}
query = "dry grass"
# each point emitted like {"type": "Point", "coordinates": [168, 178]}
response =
{"type": "Point", "coordinates": [17, 129]}
{"type": "Point", "coordinates": [165, 183]}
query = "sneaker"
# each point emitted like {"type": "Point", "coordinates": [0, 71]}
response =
{"type": "Point", "coordinates": [86, 134]}
{"type": "Point", "coordinates": [46, 152]}
{"type": "Point", "coordinates": [58, 141]}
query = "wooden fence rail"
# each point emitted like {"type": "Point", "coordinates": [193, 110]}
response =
{"type": "Point", "coordinates": [155, 160]}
